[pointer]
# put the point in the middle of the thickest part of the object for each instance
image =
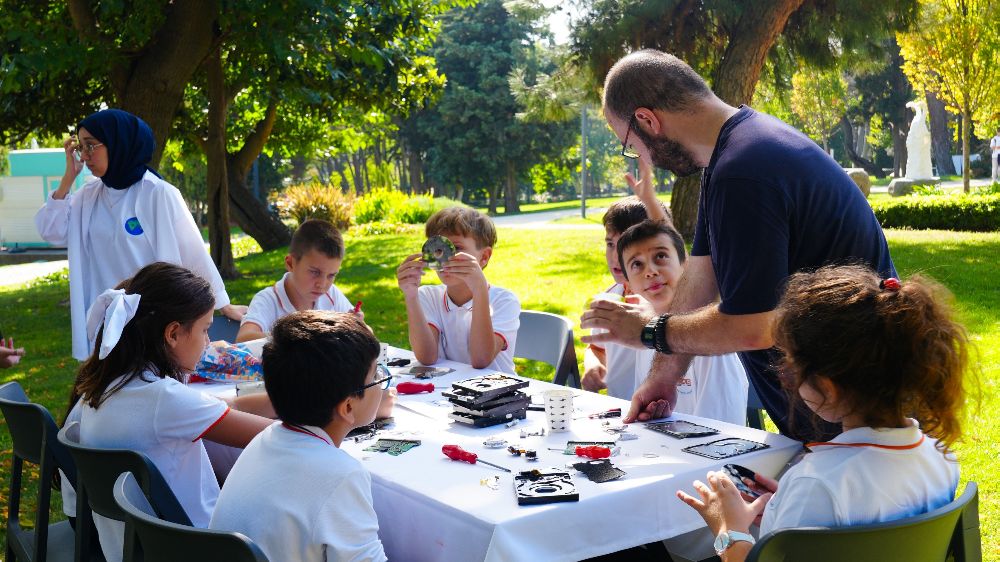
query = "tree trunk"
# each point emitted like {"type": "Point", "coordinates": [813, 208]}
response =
{"type": "Point", "coordinates": [898, 150]}
{"type": "Point", "coordinates": [966, 133]}
{"type": "Point", "coordinates": [152, 84]}
{"type": "Point", "coordinates": [416, 172]}
{"type": "Point", "coordinates": [940, 135]}
{"type": "Point", "coordinates": [734, 82]}
{"type": "Point", "coordinates": [220, 246]}
{"type": "Point", "coordinates": [494, 195]}
{"type": "Point", "coordinates": [857, 159]}
{"type": "Point", "coordinates": [253, 216]}
{"type": "Point", "coordinates": [510, 203]}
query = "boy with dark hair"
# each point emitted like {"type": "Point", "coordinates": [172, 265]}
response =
{"type": "Point", "coordinates": [312, 264]}
{"type": "Point", "coordinates": [610, 365]}
{"type": "Point", "coordinates": [464, 319]}
{"type": "Point", "coordinates": [651, 256]}
{"type": "Point", "coordinates": [293, 491]}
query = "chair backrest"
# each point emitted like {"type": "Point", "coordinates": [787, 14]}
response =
{"type": "Point", "coordinates": [547, 337]}
{"type": "Point", "coordinates": [223, 328]}
{"type": "Point", "coordinates": [97, 470]}
{"type": "Point", "coordinates": [163, 541]}
{"type": "Point", "coordinates": [33, 432]}
{"type": "Point", "coordinates": [930, 537]}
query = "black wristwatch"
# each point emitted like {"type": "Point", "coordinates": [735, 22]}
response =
{"type": "Point", "coordinates": [648, 334]}
{"type": "Point", "coordinates": [660, 335]}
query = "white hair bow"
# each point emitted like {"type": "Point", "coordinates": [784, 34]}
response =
{"type": "Point", "coordinates": [114, 309]}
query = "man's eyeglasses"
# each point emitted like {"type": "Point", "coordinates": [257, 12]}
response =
{"type": "Point", "coordinates": [382, 379]}
{"type": "Point", "coordinates": [627, 150]}
{"type": "Point", "coordinates": [85, 148]}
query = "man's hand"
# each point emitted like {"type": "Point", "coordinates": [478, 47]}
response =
{"type": "Point", "coordinates": [654, 399]}
{"type": "Point", "coordinates": [593, 378]}
{"type": "Point", "coordinates": [466, 268]}
{"type": "Point", "coordinates": [623, 322]}
{"type": "Point", "coordinates": [409, 273]}
{"type": "Point", "coordinates": [721, 505]}
{"type": "Point", "coordinates": [234, 311]}
{"type": "Point", "coordinates": [9, 355]}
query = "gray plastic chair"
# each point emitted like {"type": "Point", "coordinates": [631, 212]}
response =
{"type": "Point", "coordinates": [163, 541]}
{"type": "Point", "coordinates": [223, 328]}
{"type": "Point", "coordinates": [97, 470]}
{"type": "Point", "coordinates": [951, 530]}
{"type": "Point", "coordinates": [33, 432]}
{"type": "Point", "coordinates": [548, 338]}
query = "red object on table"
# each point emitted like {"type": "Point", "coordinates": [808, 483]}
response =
{"type": "Point", "coordinates": [593, 452]}
{"type": "Point", "coordinates": [456, 453]}
{"type": "Point", "coordinates": [414, 387]}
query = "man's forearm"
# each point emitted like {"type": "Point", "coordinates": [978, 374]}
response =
{"type": "Point", "coordinates": [710, 332]}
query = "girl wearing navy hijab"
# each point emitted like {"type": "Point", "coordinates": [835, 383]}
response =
{"type": "Point", "coordinates": [121, 220]}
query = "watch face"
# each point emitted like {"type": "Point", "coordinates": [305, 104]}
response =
{"type": "Point", "coordinates": [721, 543]}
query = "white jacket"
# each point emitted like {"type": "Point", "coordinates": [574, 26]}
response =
{"type": "Point", "coordinates": [166, 221]}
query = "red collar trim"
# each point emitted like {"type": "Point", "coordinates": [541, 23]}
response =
{"type": "Point", "coordinates": [300, 429]}
{"type": "Point", "coordinates": [876, 445]}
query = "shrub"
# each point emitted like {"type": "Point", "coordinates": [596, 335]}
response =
{"type": "Point", "coordinates": [977, 213]}
{"type": "Point", "coordinates": [386, 205]}
{"type": "Point", "coordinates": [381, 227]}
{"type": "Point", "coordinates": [314, 200]}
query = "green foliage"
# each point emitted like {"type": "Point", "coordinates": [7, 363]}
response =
{"type": "Point", "coordinates": [389, 206]}
{"type": "Point", "coordinates": [818, 101]}
{"type": "Point", "coordinates": [380, 228]}
{"type": "Point", "coordinates": [976, 213]}
{"type": "Point", "coordinates": [314, 200]}
{"type": "Point", "coordinates": [991, 189]}
{"type": "Point", "coordinates": [925, 189]}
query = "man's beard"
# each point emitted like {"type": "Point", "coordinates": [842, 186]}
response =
{"type": "Point", "coordinates": [668, 154]}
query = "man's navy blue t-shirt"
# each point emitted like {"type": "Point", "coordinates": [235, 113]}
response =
{"type": "Point", "coordinates": [773, 203]}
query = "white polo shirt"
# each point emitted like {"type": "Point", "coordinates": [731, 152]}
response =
{"type": "Point", "coordinates": [300, 498]}
{"type": "Point", "coordinates": [620, 360]}
{"type": "Point", "coordinates": [272, 303]}
{"type": "Point", "coordinates": [453, 323]}
{"type": "Point", "coordinates": [715, 386]}
{"type": "Point", "coordinates": [857, 480]}
{"type": "Point", "coordinates": [164, 420]}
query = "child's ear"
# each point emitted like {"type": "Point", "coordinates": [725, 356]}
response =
{"type": "Point", "coordinates": [289, 262]}
{"type": "Point", "coordinates": [345, 410]}
{"type": "Point", "coordinates": [485, 257]}
{"type": "Point", "coordinates": [171, 334]}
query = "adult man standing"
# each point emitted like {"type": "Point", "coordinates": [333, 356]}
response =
{"type": "Point", "coordinates": [995, 153]}
{"type": "Point", "coordinates": [772, 203]}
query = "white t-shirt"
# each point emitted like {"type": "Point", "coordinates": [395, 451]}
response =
{"type": "Point", "coordinates": [300, 498]}
{"type": "Point", "coordinates": [272, 303]}
{"type": "Point", "coordinates": [840, 486]}
{"type": "Point", "coordinates": [453, 323]}
{"type": "Point", "coordinates": [620, 361]}
{"type": "Point", "coordinates": [715, 386]}
{"type": "Point", "coordinates": [164, 420]}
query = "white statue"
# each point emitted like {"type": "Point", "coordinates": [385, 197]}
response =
{"type": "Point", "coordinates": [918, 144]}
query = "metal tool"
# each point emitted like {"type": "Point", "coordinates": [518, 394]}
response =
{"type": "Point", "coordinates": [456, 453]}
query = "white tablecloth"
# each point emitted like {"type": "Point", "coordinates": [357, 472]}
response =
{"type": "Point", "coordinates": [435, 509]}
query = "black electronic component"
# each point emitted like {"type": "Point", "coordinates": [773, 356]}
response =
{"type": "Point", "coordinates": [535, 487]}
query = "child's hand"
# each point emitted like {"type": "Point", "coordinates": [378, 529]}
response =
{"type": "Point", "coordinates": [593, 378]}
{"type": "Point", "coordinates": [388, 401]}
{"type": "Point", "coordinates": [721, 505]}
{"type": "Point", "coordinates": [466, 268]}
{"type": "Point", "coordinates": [408, 274]}
{"type": "Point", "coordinates": [73, 165]}
{"type": "Point", "coordinates": [643, 187]}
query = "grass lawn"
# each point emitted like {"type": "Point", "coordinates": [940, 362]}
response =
{"type": "Point", "coordinates": [558, 276]}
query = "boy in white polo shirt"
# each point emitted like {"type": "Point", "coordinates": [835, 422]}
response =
{"type": "Point", "coordinates": [651, 255]}
{"type": "Point", "coordinates": [293, 491]}
{"type": "Point", "coordinates": [313, 262]}
{"type": "Point", "coordinates": [465, 319]}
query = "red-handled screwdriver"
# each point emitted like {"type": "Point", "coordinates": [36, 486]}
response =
{"type": "Point", "coordinates": [456, 453]}
{"type": "Point", "coordinates": [593, 452]}
{"type": "Point", "coordinates": [414, 387]}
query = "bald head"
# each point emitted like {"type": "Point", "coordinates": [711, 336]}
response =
{"type": "Point", "coordinates": [655, 80]}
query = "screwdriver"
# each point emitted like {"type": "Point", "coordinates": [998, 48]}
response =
{"type": "Point", "coordinates": [593, 452]}
{"type": "Point", "coordinates": [456, 453]}
{"type": "Point", "coordinates": [414, 387]}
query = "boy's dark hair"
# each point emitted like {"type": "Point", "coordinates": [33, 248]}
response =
{"type": "Point", "coordinates": [654, 80]}
{"type": "Point", "coordinates": [890, 353]}
{"type": "Point", "coordinates": [319, 235]}
{"type": "Point", "coordinates": [626, 212]}
{"type": "Point", "coordinates": [644, 231]}
{"type": "Point", "coordinates": [463, 221]}
{"type": "Point", "coordinates": [169, 293]}
{"type": "Point", "coordinates": [313, 361]}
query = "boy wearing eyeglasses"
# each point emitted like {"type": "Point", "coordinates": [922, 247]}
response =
{"type": "Point", "coordinates": [293, 491]}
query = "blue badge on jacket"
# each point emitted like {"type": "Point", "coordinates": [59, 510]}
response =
{"type": "Point", "coordinates": [133, 227]}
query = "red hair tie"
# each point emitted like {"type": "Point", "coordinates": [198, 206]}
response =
{"type": "Point", "coordinates": [891, 284]}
